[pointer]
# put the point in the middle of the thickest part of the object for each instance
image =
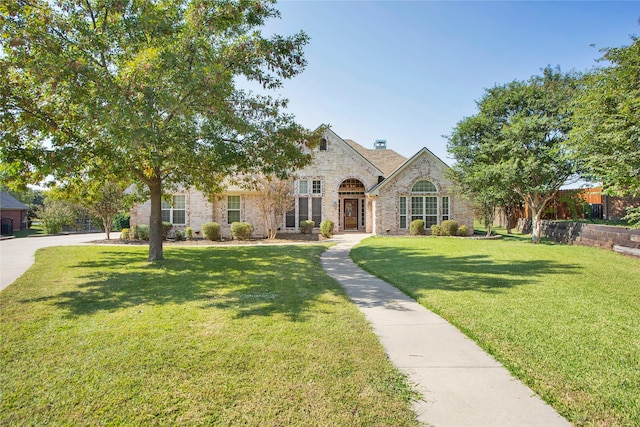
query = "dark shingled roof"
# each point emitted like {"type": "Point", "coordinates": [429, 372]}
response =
{"type": "Point", "coordinates": [7, 201]}
{"type": "Point", "coordinates": [386, 160]}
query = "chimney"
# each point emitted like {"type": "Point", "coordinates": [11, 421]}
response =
{"type": "Point", "coordinates": [380, 144]}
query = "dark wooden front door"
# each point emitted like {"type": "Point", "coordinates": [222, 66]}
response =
{"type": "Point", "coordinates": [350, 214]}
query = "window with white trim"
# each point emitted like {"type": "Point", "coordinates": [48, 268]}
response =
{"type": "Point", "coordinates": [403, 212]}
{"type": "Point", "coordinates": [445, 208]}
{"type": "Point", "coordinates": [423, 204]}
{"type": "Point", "coordinates": [175, 210]}
{"type": "Point", "coordinates": [316, 186]}
{"type": "Point", "coordinates": [233, 209]}
{"type": "Point", "coordinates": [303, 186]}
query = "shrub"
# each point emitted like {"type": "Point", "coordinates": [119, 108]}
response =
{"type": "Point", "coordinates": [416, 228]}
{"type": "Point", "coordinates": [124, 234]}
{"type": "Point", "coordinates": [178, 235]}
{"type": "Point", "coordinates": [141, 232]}
{"type": "Point", "coordinates": [166, 228]}
{"type": "Point", "coordinates": [306, 227]}
{"type": "Point", "coordinates": [326, 228]}
{"type": "Point", "coordinates": [463, 230]}
{"type": "Point", "coordinates": [211, 231]}
{"type": "Point", "coordinates": [188, 233]}
{"type": "Point", "coordinates": [436, 230]}
{"type": "Point", "coordinates": [241, 230]}
{"type": "Point", "coordinates": [121, 221]}
{"type": "Point", "coordinates": [449, 228]}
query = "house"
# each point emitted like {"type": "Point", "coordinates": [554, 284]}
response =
{"type": "Point", "coordinates": [13, 213]}
{"type": "Point", "coordinates": [372, 190]}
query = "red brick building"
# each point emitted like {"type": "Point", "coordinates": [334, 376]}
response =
{"type": "Point", "coordinates": [13, 213]}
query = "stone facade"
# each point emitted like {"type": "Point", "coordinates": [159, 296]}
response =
{"type": "Point", "coordinates": [345, 183]}
{"type": "Point", "coordinates": [424, 166]}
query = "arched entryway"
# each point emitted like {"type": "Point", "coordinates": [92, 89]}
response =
{"type": "Point", "coordinates": [352, 205]}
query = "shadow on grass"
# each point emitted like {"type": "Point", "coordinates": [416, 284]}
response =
{"type": "Point", "coordinates": [412, 269]}
{"type": "Point", "coordinates": [249, 281]}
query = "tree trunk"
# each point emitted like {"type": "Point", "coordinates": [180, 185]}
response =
{"type": "Point", "coordinates": [155, 220]}
{"type": "Point", "coordinates": [107, 227]}
{"type": "Point", "coordinates": [536, 227]}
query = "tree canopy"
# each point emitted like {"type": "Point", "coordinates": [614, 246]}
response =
{"type": "Point", "coordinates": [147, 91]}
{"type": "Point", "coordinates": [606, 132]}
{"type": "Point", "coordinates": [515, 143]}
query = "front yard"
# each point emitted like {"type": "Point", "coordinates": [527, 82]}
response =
{"type": "Point", "coordinates": [253, 335]}
{"type": "Point", "coordinates": [564, 319]}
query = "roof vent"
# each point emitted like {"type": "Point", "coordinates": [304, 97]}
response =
{"type": "Point", "coordinates": [380, 144]}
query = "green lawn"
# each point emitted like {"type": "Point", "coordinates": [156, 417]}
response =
{"type": "Point", "coordinates": [564, 319]}
{"type": "Point", "coordinates": [35, 229]}
{"type": "Point", "coordinates": [253, 335]}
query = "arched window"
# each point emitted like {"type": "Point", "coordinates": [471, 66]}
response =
{"type": "Point", "coordinates": [424, 187]}
{"type": "Point", "coordinates": [423, 203]}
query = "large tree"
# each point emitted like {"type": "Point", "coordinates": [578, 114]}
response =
{"type": "Point", "coordinates": [606, 133]}
{"type": "Point", "coordinates": [516, 142]}
{"type": "Point", "coordinates": [147, 91]}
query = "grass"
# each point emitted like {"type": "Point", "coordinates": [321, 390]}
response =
{"type": "Point", "coordinates": [253, 335]}
{"type": "Point", "coordinates": [564, 319]}
{"type": "Point", "coordinates": [34, 230]}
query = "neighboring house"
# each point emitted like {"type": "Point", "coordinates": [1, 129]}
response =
{"type": "Point", "coordinates": [368, 190]}
{"type": "Point", "coordinates": [13, 213]}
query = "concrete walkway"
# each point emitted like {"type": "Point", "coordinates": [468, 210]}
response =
{"type": "Point", "coordinates": [461, 384]}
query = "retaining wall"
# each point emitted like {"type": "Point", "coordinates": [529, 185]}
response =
{"type": "Point", "coordinates": [620, 239]}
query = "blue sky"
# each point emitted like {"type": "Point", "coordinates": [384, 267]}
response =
{"type": "Point", "coordinates": [408, 71]}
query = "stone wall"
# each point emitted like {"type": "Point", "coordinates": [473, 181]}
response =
{"type": "Point", "coordinates": [621, 239]}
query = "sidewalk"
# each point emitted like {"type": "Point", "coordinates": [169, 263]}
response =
{"type": "Point", "coordinates": [460, 383]}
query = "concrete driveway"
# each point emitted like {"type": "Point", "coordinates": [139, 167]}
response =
{"type": "Point", "coordinates": [17, 255]}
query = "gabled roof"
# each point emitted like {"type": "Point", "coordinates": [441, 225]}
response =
{"type": "Point", "coordinates": [424, 151]}
{"type": "Point", "coordinates": [7, 201]}
{"type": "Point", "coordinates": [386, 160]}
{"type": "Point", "coordinates": [354, 150]}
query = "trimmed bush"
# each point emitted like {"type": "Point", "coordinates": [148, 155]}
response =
{"type": "Point", "coordinates": [449, 228]}
{"type": "Point", "coordinates": [463, 230]}
{"type": "Point", "coordinates": [241, 230]}
{"type": "Point", "coordinates": [178, 235]}
{"type": "Point", "coordinates": [188, 233]}
{"type": "Point", "coordinates": [211, 231]}
{"type": "Point", "coordinates": [124, 234]}
{"type": "Point", "coordinates": [416, 228]}
{"type": "Point", "coordinates": [306, 227]}
{"type": "Point", "coordinates": [436, 230]}
{"type": "Point", "coordinates": [141, 232]}
{"type": "Point", "coordinates": [326, 228]}
{"type": "Point", "coordinates": [121, 221]}
{"type": "Point", "coordinates": [166, 229]}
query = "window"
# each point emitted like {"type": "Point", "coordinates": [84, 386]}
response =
{"type": "Point", "coordinates": [303, 209]}
{"type": "Point", "coordinates": [233, 209]}
{"type": "Point", "coordinates": [303, 187]}
{"type": "Point", "coordinates": [425, 205]}
{"type": "Point", "coordinates": [174, 211]}
{"type": "Point", "coordinates": [316, 187]}
{"type": "Point", "coordinates": [403, 212]}
{"type": "Point", "coordinates": [445, 208]}
{"type": "Point", "coordinates": [424, 187]}
{"type": "Point", "coordinates": [316, 210]}
{"type": "Point", "coordinates": [323, 144]}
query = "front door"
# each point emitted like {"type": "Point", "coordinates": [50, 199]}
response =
{"type": "Point", "coordinates": [350, 214]}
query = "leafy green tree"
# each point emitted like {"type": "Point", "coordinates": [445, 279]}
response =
{"type": "Point", "coordinates": [56, 214]}
{"type": "Point", "coordinates": [104, 199]}
{"type": "Point", "coordinates": [146, 91]}
{"type": "Point", "coordinates": [606, 133]}
{"type": "Point", "coordinates": [516, 142]}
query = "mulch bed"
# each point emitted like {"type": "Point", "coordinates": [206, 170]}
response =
{"type": "Point", "coordinates": [280, 239]}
